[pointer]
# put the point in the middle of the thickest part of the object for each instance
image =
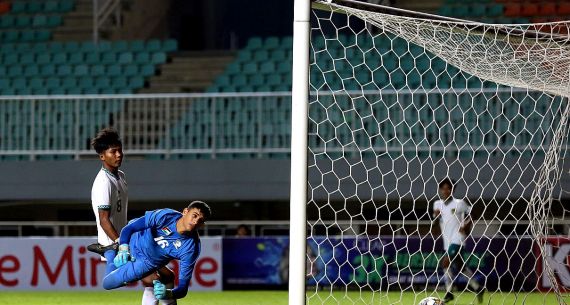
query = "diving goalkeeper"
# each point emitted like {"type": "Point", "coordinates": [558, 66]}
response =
{"type": "Point", "coordinates": [150, 242]}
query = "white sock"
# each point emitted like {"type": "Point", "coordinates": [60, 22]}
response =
{"type": "Point", "coordinates": [148, 297]}
{"type": "Point", "coordinates": [168, 302]}
{"type": "Point", "coordinates": [472, 282]}
{"type": "Point", "coordinates": [448, 279]}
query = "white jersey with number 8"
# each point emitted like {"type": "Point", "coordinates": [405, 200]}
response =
{"type": "Point", "coordinates": [110, 193]}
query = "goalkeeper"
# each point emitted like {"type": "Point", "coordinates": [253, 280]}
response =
{"type": "Point", "coordinates": [455, 223]}
{"type": "Point", "coordinates": [150, 242]}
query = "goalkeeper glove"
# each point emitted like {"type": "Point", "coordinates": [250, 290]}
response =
{"type": "Point", "coordinates": [160, 291]}
{"type": "Point", "coordinates": [123, 256]}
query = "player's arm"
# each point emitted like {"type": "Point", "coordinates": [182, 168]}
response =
{"type": "Point", "coordinates": [136, 225]}
{"type": "Point", "coordinates": [436, 211]}
{"type": "Point", "coordinates": [184, 275]}
{"type": "Point", "coordinates": [124, 254]}
{"type": "Point", "coordinates": [107, 225]}
{"type": "Point", "coordinates": [101, 201]}
{"type": "Point", "coordinates": [467, 220]}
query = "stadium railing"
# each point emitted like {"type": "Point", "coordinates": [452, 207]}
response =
{"type": "Point", "coordinates": [238, 125]}
{"type": "Point", "coordinates": [257, 227]}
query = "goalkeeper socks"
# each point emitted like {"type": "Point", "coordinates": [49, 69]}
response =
{"type": "Point", "coordinates": [168, 302]}
{"type": "Point", "coordinates": [148, 297]}
{"type": "Point", "coordinates": [448, 279]}
{"type": "Point", "coordinates": [109, 256]}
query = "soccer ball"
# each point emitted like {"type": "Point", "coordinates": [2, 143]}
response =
{"type": "Point", "coordinates": [431, 301]}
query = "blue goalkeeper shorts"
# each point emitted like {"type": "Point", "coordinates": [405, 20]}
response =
{"type": "Point", "coordinates": [128, 273]}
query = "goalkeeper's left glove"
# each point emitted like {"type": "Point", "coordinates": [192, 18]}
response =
{"type": "Point", "coordinates": [123, 256]}
{"type": "Point", "coordinates": [160, 291]}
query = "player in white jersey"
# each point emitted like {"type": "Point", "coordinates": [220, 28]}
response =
{"type": "Point", "coordinates": [109, 199]}
{"type": "Point", "coordinates": [455, 223]}
{"type": "Point", "coordinates": [109, 195]}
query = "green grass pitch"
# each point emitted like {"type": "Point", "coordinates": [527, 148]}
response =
{"type": "Point", "coordinates": [261, 298]}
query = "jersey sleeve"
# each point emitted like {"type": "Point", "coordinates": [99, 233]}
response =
{"type": "Point", "coordinates": [466, 208]}
{"type": "Point", "coordinates": [135, 225]}
{"type": "Point", "coordinates": [437, 205]}
{"type": "Point", "coordinates": [187, 264]}
{"type": "Point", "coordinates": [101, 194]}
{"type": "Point", "coordinates": [160, 218]}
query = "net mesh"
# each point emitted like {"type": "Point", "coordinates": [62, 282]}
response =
{"type": "Point", "coordinates": [398, 104]}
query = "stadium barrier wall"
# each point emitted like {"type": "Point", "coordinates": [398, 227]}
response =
{"type": "Point", "coordinates": [253, 263]}
{"type": "Point", "coordinates": [389, 263]}
{"type": "Point", "coordinates": [64, 263]}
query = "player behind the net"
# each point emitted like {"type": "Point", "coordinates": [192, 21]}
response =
{"type": "Point", "coordinates": [455, 223]}
{"type": "Point", "coordinates": [152, 241]}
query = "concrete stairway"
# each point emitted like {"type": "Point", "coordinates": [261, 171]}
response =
{"type": "Point", "coordinates": [426, 6]}
{"type": "Point", "coordinates": [190, 71]}
{"type": "Point", "coordinates": [78, 24]}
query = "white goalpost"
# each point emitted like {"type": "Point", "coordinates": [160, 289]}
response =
{"type": "Point", "coordinates": [299, 126]}
{"type": "Point", "coordinates": [386, 104]}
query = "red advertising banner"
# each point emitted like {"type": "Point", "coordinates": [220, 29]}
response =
{"type": "Point", "coordinates": [557, 256]}
{"type": "Point", "coordinates": [64, 263]}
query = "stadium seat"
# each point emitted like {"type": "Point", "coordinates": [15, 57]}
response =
{"type": "Point", "coordinates": [18, 7]}
{"type": "Point", "coordinates": [7, 21]}
{"type": "Point", "coordinates": [27, 58]}
{"type": "Point", "coordinates": [92, 58]}
{"type": "Point", "coordinates": [80, 70]}
{"type": "Point", "coordinates": [147, 70]}
{"type": "Point", "coordinates": [250, 68]}
{"type": "Point", "coordinates": [125, 58]}
{"type": "Point", "coordinates": [108, 58]}
{"type": "Point", "coordinates": [114, 70]}
{"type": "Point", "coordinates": [103, 82]}
{"type": "Point", "coordinates": [10, 36]}
{"type": "Point", "coordinates": [69, 82]}
{"type": "Point", "coordinates": [36, 83]}
{"type": "Point", "coordinates": [563, 8]}
{"type": "Point", "coordinates": [130, 70]}
{"type": "Point", "coordinates": [254, 43]}
{"type": "Point", "coordinates": [64, 70]}
{"type": "Point", "coordinates": [170, 45]}
{"type": "Point", "coordinates": [158, 58]}
{"type": "Point", "coordinates": [267, 67]}
{"type": "Point", "coordinates": [65, 5]}
{"type": "Point", "coordinates": [43, 58]}
{"type": "Point", "coordinates": [47, 70]}
{"type": "Point", "coordinates": [31, 70]}
{"type": "Point", "coordinates": [23, 21]}
{"type": "Point", "coordinates": [513, 9]}
{"type": "Point", "coordinates": [271, 43]}
{"type": "Point", "coordinates": [529, 10]}
{"type": "Point", "coordinates": [142, 57]}
{"type": "Point", "coordinates": [75, 58]}
{"type": "Point", "coordinates": [244, 55]}
{"type": "Point", "coordinates": [495, 10]}
{"type": "Point", "coordinates": [52, 83]}
{"type": "Point", "coordinates": [72, 46]}
{"type": "Point", "coordinates": [153, 45]}
{"type": "Point", "coordinates": [136, 82]}
{"type": "Point", "coordinates": [137, 46]}
{"type": "Point", "coordinates": [119, 82]}
{"type": "Point", "coordinates": [278, 55]}
{"type": "Point", "coordinates": [51, 7]}
{"type": "Point", "coordinates": [120, 46]}
{"type": "Point", "coordinates": [34, 7]}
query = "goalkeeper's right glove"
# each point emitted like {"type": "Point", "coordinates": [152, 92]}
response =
{"type": "Point", "coordinates": [160, 291]}
{"type": "Point", "coordinates": [123, 256]}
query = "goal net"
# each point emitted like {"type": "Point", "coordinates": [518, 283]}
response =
{"type": "Point", "coordinates": [398, 104]}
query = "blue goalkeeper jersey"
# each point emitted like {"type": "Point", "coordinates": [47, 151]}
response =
{"type": "Point", "coordinates": [158, 242]}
